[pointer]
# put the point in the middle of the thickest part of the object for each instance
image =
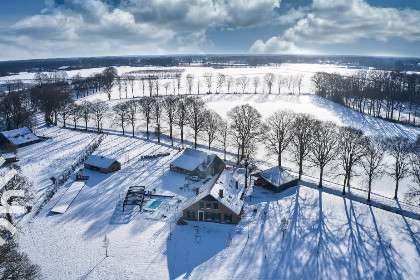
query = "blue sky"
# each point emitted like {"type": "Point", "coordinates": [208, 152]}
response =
{"type": "Point", "coordinates": [69, 28]}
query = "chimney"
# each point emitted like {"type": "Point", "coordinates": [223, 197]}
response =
{"type": "Point", "coordinates": [208, 159]}
{"type": "Point", "coordinates": [221, 193]}
{"type": "Point", "coordinates": [197, 191]}
{"type": "Point", "coordinates": [236, 184]}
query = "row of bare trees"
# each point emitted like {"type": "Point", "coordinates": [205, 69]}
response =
{"type": "Point", "coordinates": [322, 143]}
{"type": "Point", "coordinates": [382, 94]}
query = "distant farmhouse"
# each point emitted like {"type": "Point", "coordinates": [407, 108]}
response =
{"type": "Point", "coordinates": [219, 200]}
{"type": "Point", "coordinates": [18, 137]}
{"type": "Point", "coordinates": [102, 164]}
{"type": "Point", "coordinates": [276, 179]}
{"type": "Point", "coordinates": [197, 163]}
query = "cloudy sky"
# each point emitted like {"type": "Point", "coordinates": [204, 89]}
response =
{"type": "Point", "coordinates": [73, 28]}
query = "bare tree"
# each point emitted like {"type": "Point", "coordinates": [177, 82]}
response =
{"type": "Point", "coordinates": [290, 81]}
{"type": "Point", "coordinates": [243, 82]}
{"type": "Point", "coordinates": [120, 111]}
{"type": "Point", "coordinates": [146, 105]}
{"type": "Point", "coordinates": [178, 82]}
{"type": "Point", "coordinates": [196, 116]}
{"type": "Point", "coordinates": [150, 84]}
{"type": "Point", "coordinates": [399, 148]}
{"type": "Point", "coordinates": [120, 85]}
{"type": "Point", "coordinates": [15, 264]}
{"type": "Point", "coordinates": [157, 113]}
{"type": "Point", "coordinates": [269, 80]}
{"type": "Point", "coordinates": [166, 85]}
{"type": "Point", "coordinates": [133, 107]}
{"type": "Point", "coordinates": [255, 83]}
{"type": "Point", "coordinates": [245, 127]}
{"type": "Point", "coordinates": [212, 125]}
{"type": "Point", "coordinates": [298, 80]}
{"type": "Point", "coordinates": [85, 110]}
{"type": "Point", "coordinates": [223, 134]}
{"type": "Point", "coordinates": [351, 149]}
{"type": "Point", "coordinates": [125, 86]}
{"type": "Point", "coordinates": [281, 81]}
{"type": "Point", "coordinates": [372, 160]}
{"type": "Point", "coordinates": [109, 74]}
{"type": "Point", "coordinates": [170, 104]}
{"type": "Point", "coordinates": [221, 79]}
{"type": "Point", "coordinates": [198, 85]}
{"type": "Point", "coordinates": [190, 83]}
{"type": "Point", "coordinates": [208, 78]}
{"type": "Point", "coordinates": [414, 191]}
{"type": "Point", "coordinates": [75, 113]}
{"type": "Point", "coordinates": [99, 110]}
{"type": "Point", "coordinates": [131, 80]}
{"type": "Point", "coordinates": [323, 146]}
{"type": "Point", "coordinates": [181, 116]}
{"type": "Point", "coordinates": [157, 85]}
{"type": "Point", "coordinates": [302, 139]}
{"type": "Point", "coordinates": [279, 132]}
{"type": "Point", "coordinates": [230, 81]}
{"type": "Point", "coordinates": [142, 85]}
{"type": "Point", "coordinates": [65, 112]}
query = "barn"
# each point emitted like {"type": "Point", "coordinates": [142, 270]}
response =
{"type": "Point", "coordinates": [102, 164]}
{"type": "Point", "coordinates": [19, 137]}
{"type": "Point", "coordinates": [220, 200]}
{"type": "Point", "coordinates": [276, 178]}
{"type": "Point", "coordinates": [197, 163]}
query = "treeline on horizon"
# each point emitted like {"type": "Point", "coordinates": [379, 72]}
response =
{"type": "Point", "coordinates": [384, 63]}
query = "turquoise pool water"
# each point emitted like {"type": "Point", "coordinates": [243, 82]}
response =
{"type": "Point", "coordinates": [155, 204]}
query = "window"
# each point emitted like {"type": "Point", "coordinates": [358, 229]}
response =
{"type": "Point", "coordinates": [215, 206]}
{"type": "Point", "coordinates": [228, 218]}
{"type": "Point", "coordinates": [217, 217]}
{"type": "Point", "coordinates": [208, 205]}
{"type": "Point", "coordinates": [201, 205]}
{"type": "Point", "coordinates": [190, 215]}
{"type": "Point", "coordinates": [209, 216]}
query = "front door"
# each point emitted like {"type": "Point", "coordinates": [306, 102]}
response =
{"type": "Point", "coordinates": [201, 216]}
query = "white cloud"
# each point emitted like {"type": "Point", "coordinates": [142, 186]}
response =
{"type": "Point", "coordinates": [276, 45]}
{"type": "Point", "coordinates": [342, 22]}
{"type": "Point", "coordinates": [94, 27]}
{"type": "Point", "coordinates": [346, 21]}
{"type": "Point", "coordinates": [293, 15]}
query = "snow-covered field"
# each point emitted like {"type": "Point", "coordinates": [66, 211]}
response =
{"type": "Point", "coordinates": [328, 236]}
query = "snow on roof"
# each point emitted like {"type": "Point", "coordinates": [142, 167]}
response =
{"type": "Point", "coordinates": [231, 196]}
{"type": "Point", "coordinates": [2, 160]}
{"type": "Point", "coordinates": [277, 176]}
{"type": "Point", "coordinates": [68, 197]}
{"type": "Point", "coordinates": [99, 161]}
{"type": "Point", "coordinates": [191, 159]}
{"type": "Point", "coordinates": [20, 136]}
{"type": "Point", "coordinates": [9, 155]}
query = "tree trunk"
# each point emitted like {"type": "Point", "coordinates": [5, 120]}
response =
{"type": "Point", "coordinates": [370, 186]}
{"type": "Point", "coordinates": [182, 134]}
{"type": "Point", "coordinates": [170, 133]}
{"type": "Point", "coordinates": [321, 173]}
{"type": "Point", "coordinates": [396, 188]}
{"type": "Point", "coordinates": [147, 129]}
{"type": "Point", "coordinates": [132, 126]}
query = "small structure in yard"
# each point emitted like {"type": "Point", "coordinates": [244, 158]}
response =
{"type": "Point", "coordinates": [197, 163]}
{"type": "Point", "coordinates": [219, 200]}
{"type": "Point", "coordinates": [102, 164]}
{"type": "Point", "coordinates": [275, 178]}
{"type": "Point", "coordinates": [19, 137]}
{"type": "Point", "coordinates": [134, 196]}
{"type": "Point", "coordinates": [81, 177]}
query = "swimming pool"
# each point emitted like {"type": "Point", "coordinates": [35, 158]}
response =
{"type": "Point", "coordinates": [155, 204]}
